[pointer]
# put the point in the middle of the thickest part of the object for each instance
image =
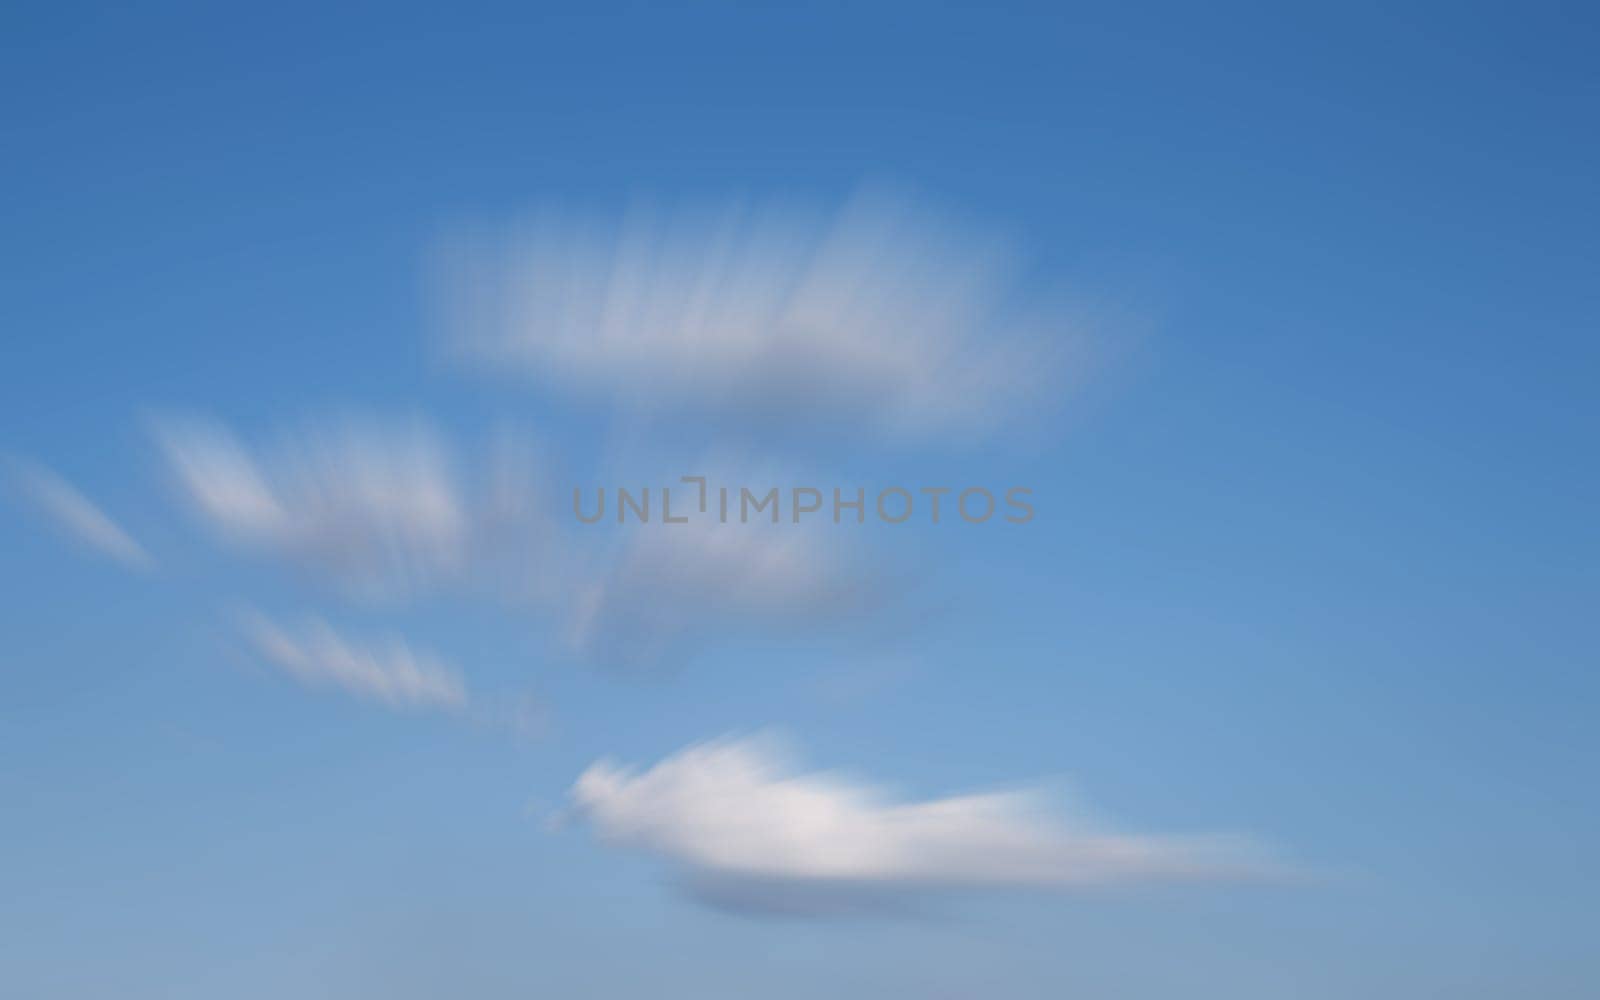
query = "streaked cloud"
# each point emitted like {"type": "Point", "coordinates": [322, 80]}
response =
{"type": "Point", "coordinates": [389, 672]}
{"type": "Point", "coordinates": [384, 512]}
{"type": "Point", "coordinates": [669, 588]}
{"type": "Point", "coordinates": [77, 516]}
{"type": "Point", "coordinates": [881, 314]}
{"type": "Point", "coordinates": [747, 828]}
{"type": "Point", "coordinates": [375, 508]}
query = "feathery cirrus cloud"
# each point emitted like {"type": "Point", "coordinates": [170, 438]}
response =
{"type": "Point", "coordinates": [377, 509]}
{"type": "Point", "coordinates": [880, 314]}
{"type": "Point", "coordinates": [669, 589]}
{"type": "Point", "coordinates": [78, 516]}
{"type": "Point", "coordinates": [385, 511]}
{"type": "Point", "coordinates": [389, 672]}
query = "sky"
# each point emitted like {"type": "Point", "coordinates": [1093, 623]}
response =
{"type": "Point", "coordinates": [313, 684]}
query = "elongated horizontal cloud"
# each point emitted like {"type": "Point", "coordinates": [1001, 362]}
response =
{"type": "Point", "coordinates": [75, 514]}
{"type": "Point", "coordinates": [749, 830]}
{"type": "Point", "coordinates": [880, 314]}
{"type": "Point", "coordinates": [377, 509]}
{"type": "Point", "coordinates": [390, 673]}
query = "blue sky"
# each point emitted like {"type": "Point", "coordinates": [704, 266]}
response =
{"type": "Point", "coordinates": [1313, 560]}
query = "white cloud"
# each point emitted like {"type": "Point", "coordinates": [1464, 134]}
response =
{"type": "Point", "coordinates": [389, 672]}
{"type": "Point", "coordinates": [375, 509]}
{"type": "Point", "coordinates": [880, 314]}
{"type": "Point", "coordinates": [748, 829]}
{"type": "Point", "coordinates": [380, 510]}
{"type": "Point", "coordinates": [671, 587]}
{"type": "Point", "coordinates": [384, 513]}
{"type": "Point", "coordinates": [79, 517]}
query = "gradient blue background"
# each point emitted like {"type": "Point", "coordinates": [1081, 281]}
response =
{"type": "Point", "coordinates": [1317, 561]}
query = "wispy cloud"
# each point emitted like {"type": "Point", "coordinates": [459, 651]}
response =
{"type": "Point", "coordinates": [668, 589]}
{"type": "Point", "coordinates": [748, 829]}
{"type": "Point", "coordinates": [384, 512]}
{"type": "Point", "coordinates": [389, 672]}
{"type": "Point", "coordinates": [75, 514]}
{"type": "Point", "coordinates": [375, 508]}
{"type": "Point", "coordinates": [880, 314]}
